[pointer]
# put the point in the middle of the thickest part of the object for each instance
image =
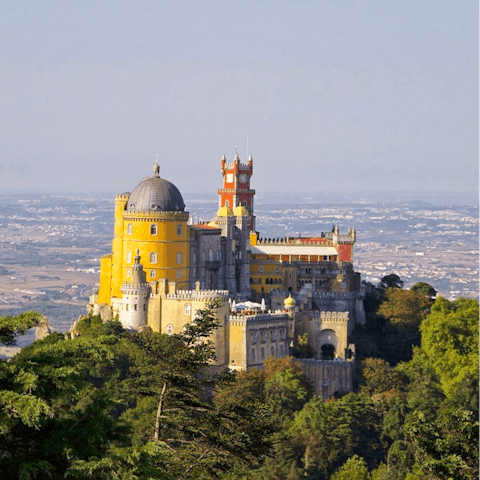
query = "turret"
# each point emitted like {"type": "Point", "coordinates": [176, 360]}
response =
{"type": "Point", "coordinates": [134, 310]}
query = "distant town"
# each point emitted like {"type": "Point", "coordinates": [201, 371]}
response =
{"type": "Point", "coordinates": [50, 246]}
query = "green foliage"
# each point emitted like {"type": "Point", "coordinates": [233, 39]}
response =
{"type": "Point", "coordinates": [325, 434]}
{"type": "Point", "coordinates": [12, 327]}
{"type": "Point", "coordinates": [450, 340]}
{"type": "Point", "coordinates": [355, 468]}
{"type": "Point", "coordinates": [425, 289]}
{"type": "Point", "coordinates": [446, 448]}
{"type": "Point", "coordinates": [390, 281]}
{"type": "Point", "coordinates": [303, 349]}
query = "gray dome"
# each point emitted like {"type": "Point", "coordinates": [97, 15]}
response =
{"type": "Point", "coordinates": [155, 193]}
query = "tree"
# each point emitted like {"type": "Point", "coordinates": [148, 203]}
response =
{"type": "Point", "coordinates": [425, 289]}
{"type": "Point", "coordinates": [12, 327]}
{"type": "Point", "coordinates": [450, 340]}
{"type": "Point", "coordinates": [390, 281]}
{"type": "Point", "coordinates": [325, 434]}
{"type": "Point", "coordinates": [405, 310]}
{"type": "Point", "coordinates": [355, 468]}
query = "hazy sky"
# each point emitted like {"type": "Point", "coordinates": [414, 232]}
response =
{"type": "Point", "coordinates": [334, 95]}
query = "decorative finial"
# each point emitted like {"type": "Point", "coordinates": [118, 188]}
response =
{"type": "Point", "coordinates": [156, 168]}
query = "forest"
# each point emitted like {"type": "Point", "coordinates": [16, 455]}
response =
{"type": "Point", "coordinates": [104, 403]}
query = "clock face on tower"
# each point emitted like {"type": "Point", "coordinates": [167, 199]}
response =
{"type": "Point", "coordinates": [243, 178]}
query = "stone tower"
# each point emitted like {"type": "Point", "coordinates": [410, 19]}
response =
{"type": "Point", "coordinates": [133, 312]}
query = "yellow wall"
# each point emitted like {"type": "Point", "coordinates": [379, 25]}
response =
{"type": "Point", "coordinates": [105, 279]}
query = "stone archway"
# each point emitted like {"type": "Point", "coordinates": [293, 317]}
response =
{"type": "Point", "coordinates": [326, 344]}
{"type": "Point", "coordinates": [328, 351]}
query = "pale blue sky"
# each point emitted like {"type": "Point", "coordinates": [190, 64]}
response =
{"type": "Point", "coordinates": [334, 95]}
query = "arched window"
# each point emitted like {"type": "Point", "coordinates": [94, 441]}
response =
{"type": "Point", "coordinates": [216, 256]}
{"type": "Point", "coordinates": [179, 258]}
{"type": "Point", "coordinates": [203, 255]}
{"type": "Point", "coordinates": [130, 229]}
{"type": "Point", "coordinates": [210, 255]}
{"type": "Point", "coordinates": [169, 329]}
{"type": "Point", "coordinates": [194, 258]}
{"type": "Point", "coordinates": [281, 350]}
{"type": "Point", "coordinates": [153, 229]}
{"type": "Point", "coordinates": [262, 353]}
{"type": "Point", "coordinates": [227, 203]}
{"type": "Point", "coordinates": [179, 273]}
{"type": "Point", "coordinates": [153, 273]}
{"type": "Point", "coordinates": [129, 257]}
{"type": "Point", "coordinates": [244, 203]}
{"type": "Point", "coordinates": [188, 309]}
{"type": "Point", "coordinates": [153, 257]}
{"type": "Point", "coordinates": [344, 284]}
{"type": "Point", "coordinates": [129, 272]}
{"type": "Point", "coordinates": [267, 281]}
{"type": "Point", "coordinates": [272, 351]}
{"type": "Point", "coordinates": [253, 354]}
{"type": "Point", "coordinates": [179, 229]}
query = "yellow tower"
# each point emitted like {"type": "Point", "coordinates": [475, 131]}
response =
{"type": "Point", "coordinates": [153, 220]}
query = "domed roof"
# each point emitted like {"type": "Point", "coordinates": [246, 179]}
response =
{"type": "Point", "coordinates": [240, 211]}
{"type": "Point", "coordinates": [156, 193]}
{"type": "Point", "coordinates": [289, 301]}
{"type": "Point", "coordinates": [224, 211]}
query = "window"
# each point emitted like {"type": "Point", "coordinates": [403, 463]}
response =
{"type": "Point", "coordinates": [194, 258]}
{"type": "Point", "coordinates": [129, 272]}
{"type": "Point", "coordinates": [179, 229]}
{"type": "Point", "coordinates": [262, 353]}
{"type": "Point", "coordinates": [188, 309]}
{"type": "Point", "coordinates": [135, 306]}
{"type": "Point", "coordinates": [344, 284]}
{"type": "Point", "coordinates": [277, 269]}
{"type": "Point", "coordinates": [203, 271]}
{"type": "Point", "coordinates": [216, 256]}
{"type": "Point", "coordinates": [282, 353]}
{"type": "Point", "coordinates": [153, 274]}
{"type": "Point", "coordinates": [244, 203]}
{"type": "Point", "coordinates": [260, 268]}
{"type": "Point", "coordinates": [153, 257]}
{"type": "Point", "coordinates": [126, 307]}
{"type": "Point", "coordinates": [203, 255]}
{"type": "Point", "coordinates": [210, 255]}
{"type": "Point", "coordinates": [153, 229]}
{"type": "Point", "coordinates": [179, 273]}
{"type": "Point", "coordinates": [129, 257]}
{"type": "Point", "coordinates": [144, 307]}
{"type": "Point", "coordinates": [272, 351]}
{"type": "Point", "coordinates": [179, 258]}
{"type": "Point", "coordinates": [194, 272]}
{"type": "Point", "coordinates": [130, 229]}
{"type": "Point", "coordinates": [227, 202]}
{"type": "Point", "coordinates": [169, 329]}
{"type": "Point", "coordinates": [253, 354]}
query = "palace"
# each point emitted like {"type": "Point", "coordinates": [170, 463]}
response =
{"type": "Point", "coordinates": [162, 270]}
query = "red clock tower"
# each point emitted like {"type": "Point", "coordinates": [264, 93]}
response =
{"type": "Point", "coordinates": [236, 189]}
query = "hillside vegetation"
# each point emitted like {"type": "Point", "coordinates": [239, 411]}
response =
{"type": "Point", "coordinates": [104, 403]}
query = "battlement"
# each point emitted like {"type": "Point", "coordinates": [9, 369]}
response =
{"type": "Point", "coordinates": [257, 319]}
{"type": "Point", "coordinates": [198, 294]}
{"type": "Point", "coordinates": [314, 241]}
{"type": "Point", "coordinates": [332, 316]}
{"type": "Point", "coordinates": [335, 361]}
{"type": "Point", "coordinates": [129, 289]}
{"type": "Point", "coordinates": [335, 295]}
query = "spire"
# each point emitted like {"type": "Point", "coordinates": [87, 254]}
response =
{"type": "Point", "coordinates": [223, 156]}
{"type": "Point", "coordinates": [156, 168]}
